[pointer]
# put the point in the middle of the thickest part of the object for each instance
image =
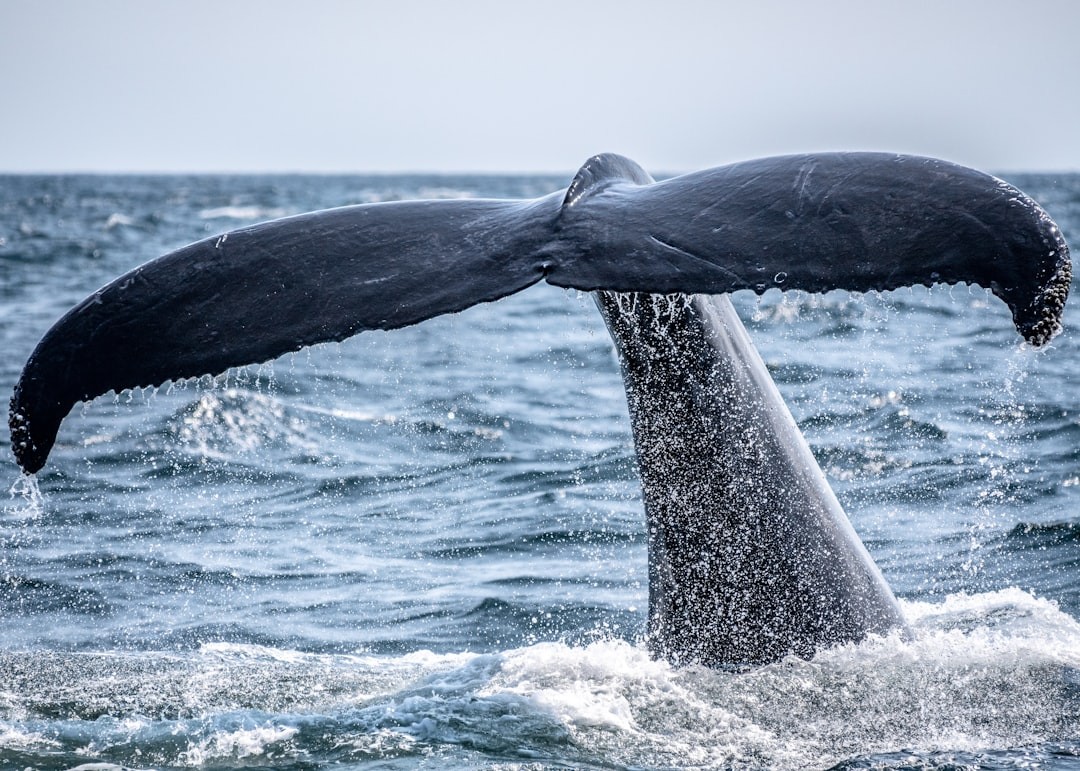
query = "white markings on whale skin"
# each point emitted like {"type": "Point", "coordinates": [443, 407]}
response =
{"type": "Point", "coordinates": [736, 279]}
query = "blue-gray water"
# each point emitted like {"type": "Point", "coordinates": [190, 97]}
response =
{"type": "Point", "coordinates": [425, 548]}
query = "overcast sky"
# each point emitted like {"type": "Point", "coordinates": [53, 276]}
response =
{"type": "Point", "coordinates": [467, 85]}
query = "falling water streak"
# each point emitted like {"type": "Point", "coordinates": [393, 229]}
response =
{"type": "Point", "coordinates": [26, 487]}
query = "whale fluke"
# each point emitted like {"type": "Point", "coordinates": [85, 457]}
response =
{"type": "Point", "coordinates": [857, 221]}
{"type": "Point", "coordinates": [751, 557]}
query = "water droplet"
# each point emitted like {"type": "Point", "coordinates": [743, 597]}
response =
{"type": "Point", "coordinates": [780, 277]}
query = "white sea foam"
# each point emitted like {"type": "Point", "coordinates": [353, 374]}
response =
{"type": "Point", "coordinates": [19, 738]}
{"type": "Point", "coordinates": [236, 744]}
{"type": "Point", "coordinates": [444, 192]}
{"type": "Point", "coordinates": [953, 685]}
{"type": "Point", "coordinates": [242, 213]}
{"type": "Point", "coordinates": [116, 219]}
{"type": "Point", "coordinates": [979, 672]}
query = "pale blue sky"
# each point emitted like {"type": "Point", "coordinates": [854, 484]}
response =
{"type": "Point", "coordinates": [408, 85]}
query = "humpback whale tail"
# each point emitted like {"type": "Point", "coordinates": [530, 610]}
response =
{"type": "Point", "coordinates": [858, 221]}
{"type": "Point", "coordinates": [750, 555]}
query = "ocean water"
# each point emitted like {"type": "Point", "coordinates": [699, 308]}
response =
{"type": "Point", "coordinates": [425, 548]}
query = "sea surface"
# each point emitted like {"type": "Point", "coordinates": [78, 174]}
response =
{"type": "Point", "coordinates": [425, 548]}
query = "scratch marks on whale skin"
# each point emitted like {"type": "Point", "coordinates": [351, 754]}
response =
{"type": "Point", "coordinates": [737, 281]}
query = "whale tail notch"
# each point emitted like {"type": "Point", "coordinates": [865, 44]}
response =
{"type": "Point", "coordinates": [857, 221]}
{"type": "Point", "coordinates": [600, 172]}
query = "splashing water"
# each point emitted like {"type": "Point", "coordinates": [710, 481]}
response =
{"type": "Point", "coordinates": [979, 674]}
{"type": "Point", "coordinates": [330, 570]}
{"type": "Point", "coordinates": [26, 488]}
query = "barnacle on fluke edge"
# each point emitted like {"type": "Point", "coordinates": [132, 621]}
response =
{"type": "Point", "coordinates": [1041, 320]}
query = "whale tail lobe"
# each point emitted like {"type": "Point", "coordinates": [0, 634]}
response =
{"type": "Point", "coordinates": [857, 221]}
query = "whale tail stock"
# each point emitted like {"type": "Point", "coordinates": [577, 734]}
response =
{"type": "Point", "coordinates": [857, 221]}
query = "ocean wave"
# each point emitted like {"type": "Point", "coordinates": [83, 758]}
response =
{"type": "Point", "coordinates": [979, 673]}
{"type": "Point", "coordinates": [338, 507]}
{"type": "Point", "coordinates": [250, 212]}
{"type": "Point", "coordinates": [1043, 535]}
{"type": "Point", "coordinates": [22, 595]}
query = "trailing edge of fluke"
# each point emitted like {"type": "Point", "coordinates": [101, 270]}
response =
{"type": "Point", "coordinates": [857, 221]}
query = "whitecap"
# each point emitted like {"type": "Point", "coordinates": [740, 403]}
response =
{"type": "Point", "coordinates": [242, 213]}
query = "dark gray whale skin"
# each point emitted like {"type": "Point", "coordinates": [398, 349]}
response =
{"type": "Point", "coordinates": [750, 556]}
